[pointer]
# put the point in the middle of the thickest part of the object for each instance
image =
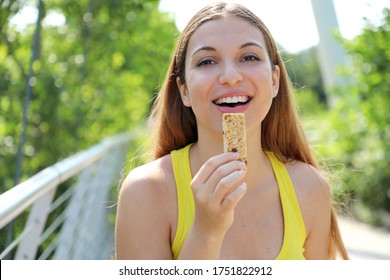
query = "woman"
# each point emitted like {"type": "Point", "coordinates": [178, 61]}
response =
{"type": "Point", "coordinates": [195, 202]}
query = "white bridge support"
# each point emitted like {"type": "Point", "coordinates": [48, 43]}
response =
{"type": "Point", "coordinates": [330, 52]}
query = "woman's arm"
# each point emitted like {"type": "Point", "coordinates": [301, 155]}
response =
{"type": "Point", "coordinates": [142, 222]}
{"type": "Point", "coordinates": [315, 201]}
{"type": "Point", "coordinates": [316, 245]}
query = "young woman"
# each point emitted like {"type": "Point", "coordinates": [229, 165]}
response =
{"type": "Point", "coordinates": [195, 202]}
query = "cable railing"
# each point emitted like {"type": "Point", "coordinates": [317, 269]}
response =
{"type": "Point", "coordinates": [68, 206]}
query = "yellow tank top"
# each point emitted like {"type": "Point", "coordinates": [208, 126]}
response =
{"type": "Point", "coordinates": [294, 228]}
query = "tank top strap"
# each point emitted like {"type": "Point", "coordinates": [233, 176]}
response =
{"type": "Point", "coordinates": [294, 227]}
{"type": "Point", "coordinates": [185, 201]}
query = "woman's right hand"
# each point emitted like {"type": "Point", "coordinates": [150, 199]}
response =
{"type": "Point", "coordinates": [217, 188]}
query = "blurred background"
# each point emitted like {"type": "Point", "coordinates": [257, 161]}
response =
{"type": "Point", "coordinates": [73, 73]}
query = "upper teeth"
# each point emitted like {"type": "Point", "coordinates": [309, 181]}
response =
{"type": "Point", "coordinates": [234, 99]}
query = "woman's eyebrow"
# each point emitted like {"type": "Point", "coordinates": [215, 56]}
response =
{"type": "Point", "coordinates": [250, 44]}
{"type": "Point", "coordinates": [208, 48]}
{"type": "Point", "coordinates": [205, 48]}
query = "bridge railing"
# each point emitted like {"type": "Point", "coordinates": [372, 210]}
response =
{"type": "Point", "coordinates": [73, 223]}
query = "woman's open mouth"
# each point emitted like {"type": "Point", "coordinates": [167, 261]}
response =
{"type": "Point", "coordinates": [233, 104]}
{"type": "Point", "coordinates": [232, 101]}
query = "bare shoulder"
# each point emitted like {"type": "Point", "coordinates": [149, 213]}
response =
{"type": "Point", "coordinates": [150, 188]}
{"type": "Point", "coordinates": [307, 180]}
{"type": "Point", "coordinates": [146, 211]}
{"type": "Point", "coordinates": [312, 190]}
{"type": "Point", "coordinates": [152, 179]}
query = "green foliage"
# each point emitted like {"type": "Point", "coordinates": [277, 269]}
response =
{"type": "Point", "coordinates": [358, 130]}
{"type": "Point", "coordinates": [304, 72]}
{"type": "Point", "coordinates": [95, 76]}
{"type": "Point", "coordinates": [352, 138]}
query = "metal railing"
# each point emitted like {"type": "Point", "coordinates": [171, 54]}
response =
{"type": "Point", "coordinates": [79, 226]}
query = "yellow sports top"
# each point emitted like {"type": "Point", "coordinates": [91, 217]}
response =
{"type": "Point", "coordinates": [294, 228]}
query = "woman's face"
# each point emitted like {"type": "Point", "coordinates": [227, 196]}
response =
{"type": "Point", "coordinates": [228, 70]}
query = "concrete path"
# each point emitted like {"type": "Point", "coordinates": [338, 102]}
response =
{"type": "Point", "coordinates": [365, 242]}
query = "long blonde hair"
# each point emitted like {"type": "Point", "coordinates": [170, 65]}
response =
{"type": "Point", "coordinates": [175, 124]}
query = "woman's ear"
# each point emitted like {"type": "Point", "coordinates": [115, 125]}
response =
{"type": "Point", "coordinates": [185, 97]}
{"type": "Point", "coordinates": [275, 80]}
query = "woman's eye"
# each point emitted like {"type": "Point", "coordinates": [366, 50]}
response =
{"type": "Point", "coordinates": [250, 58]}
{"type": "Point", "coordinates": [206, 62]}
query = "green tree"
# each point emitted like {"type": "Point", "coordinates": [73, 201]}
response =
{"type": "Point", "coordinates": [304, 71]}
{"type": "Point", "coordinates": [360, 124]}
{"type": "Point", "coordinates": [95, 76]}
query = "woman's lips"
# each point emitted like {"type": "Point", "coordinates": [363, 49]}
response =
{"type": "Point", "coordinates": [238, 108]}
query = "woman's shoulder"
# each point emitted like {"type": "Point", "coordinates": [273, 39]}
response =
{"type": "Point", "coordinates": [147, 194]}
{"type": "Point", "coordinates": [153, 179]}
{"type": "Point", "coordinates": [307, 179]}
{"type": "Point", "coordinates": [312, 191]}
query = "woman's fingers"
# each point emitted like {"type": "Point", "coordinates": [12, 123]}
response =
{"type": "Point", "coordinates": [211, 165]}
{"type": "Point", "coordinates": [213, 182]}
{"type": "Point", "coordinates": [224, 171]}
{"type": "Point", "coordinates": [227, 184]}
{"type": "Point", "coordinates": [231, 200]}
{"type": "Point", "coordinates": [217, 189]}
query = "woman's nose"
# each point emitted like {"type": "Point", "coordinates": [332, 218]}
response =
{"type": "Point", "coordinates": [230, 74]}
